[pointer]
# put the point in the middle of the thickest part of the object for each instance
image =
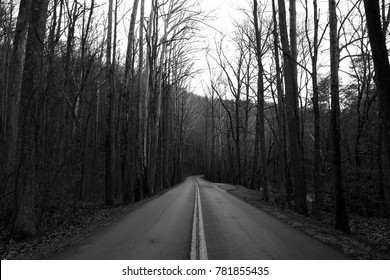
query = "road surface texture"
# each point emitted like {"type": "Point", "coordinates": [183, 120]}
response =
{"type": "Point", "coordinates": [160, 229]}
{"type": "Point", "coordinates": [198, 220]}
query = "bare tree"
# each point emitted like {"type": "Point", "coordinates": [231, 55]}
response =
{"type": "Point", "coordinates": [24, 224]}
{"type": "Point", "coordinates": [381, 63]}
{"type": "Point", "coordinates": [110, 115]}
{"type": "Point", "coordinates": [130, 135]}
{"type": "Point", "coordinates": [341, 217]}
{"type": "Point", "coordinates": [377, 38]}
{"type": "Point", "coordinates": [15, 90]}
{"type": "Point", "coordinates": [291, 91]}
{"type": "Point", "coordinates": [260, 129]}
{"type": "Point", "coordinates": [284, 171]}
{"type": "Point", "coordinates": [313, 48]}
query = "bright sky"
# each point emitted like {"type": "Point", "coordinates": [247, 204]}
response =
{"type": "Point", "coordinates": [228, 11]}
{"type": "Point", "coordinates": [223, 13]}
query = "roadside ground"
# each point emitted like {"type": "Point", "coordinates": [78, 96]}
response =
{"type": "Point", "coordinates": [370, 237]}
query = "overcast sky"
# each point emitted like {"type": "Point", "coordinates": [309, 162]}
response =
{"type": "Point", "coordinates": [223, 15]}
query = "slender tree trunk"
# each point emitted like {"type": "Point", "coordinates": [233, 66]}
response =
{"type": "Point", "coordinates": [237, 137]}
{"type": "Point", "coordinates": [212, 171]}
{"type": "Point", "coordinates": [281, 117]}
{"type": "Point", "coordinates": [341, 217]}
{"type": "Point", "coordinates": [141, 151]}
{"type": "Point", "coordinates": [256, 155]}
{"type": "Point", "coordinates": [380, 175]}
{"type": "Point", "coordinates": [130, 134]}
{"type": "Point", "coordinates": [295, 159]}
{"type": "Point", "coordinates": [78, 115]}
{"type": "Point", "coordinates": [206, 142]}
{"type": "Point", "coordinates": [117, 108]}
{"type": "Point", "coordinates": [157, 103]}
{"type": "Point", "coordinates": [151, 92]}
{"type": "Point", "coordinates": [300, 189]}
{"type": "Point", "coordinates": [110, 116]}
{"type": "Point", "coordinates": [130, 46]}
{"type": "Point", "coordinates": [260, 106]}
{"type": "Point", "coordinates": [317, 182]}
{"type": "Point", "coordinates": [147, 102]}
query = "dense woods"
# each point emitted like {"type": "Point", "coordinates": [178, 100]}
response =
{"type": "Point", "coordinates": [298, 112]}
{"type": "Point", "coordinates": [81, 123]}
{"type": "Point", "coordinates": [296, 105]}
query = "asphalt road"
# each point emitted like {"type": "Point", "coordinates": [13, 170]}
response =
{"type": "Point", "coordinates": [160, 229]}
{"type": "Point", "coordinates": [166, 228]}
{"type": "Point", "coordinates": [235, 229]}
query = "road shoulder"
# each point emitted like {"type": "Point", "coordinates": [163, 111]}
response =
{"type": "Point", "coordinates": [353, 245]}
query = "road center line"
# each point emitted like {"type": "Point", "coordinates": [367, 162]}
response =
{"type": "Point", "coordinates": [194, 227]}
{"type": "Point", "coordinates": [198, 242]}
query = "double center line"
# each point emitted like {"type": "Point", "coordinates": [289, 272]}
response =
{"type": "Point", "coordinates": [198, 242]}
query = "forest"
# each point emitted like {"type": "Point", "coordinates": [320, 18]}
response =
{"type": "Point", "coordinates": [98, 106]}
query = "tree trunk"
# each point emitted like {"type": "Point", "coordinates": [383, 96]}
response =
{"type": "Point", "coordinates": [317, 182]}
{"type": "Point", "coordinates": [212, 162]}
{"type": "Point", "coordinates": [381, 64]}
{"type": "Point", "coordinates": [341, 218]}
{"type": "Point", "coordinates": [286, 186]}
{"type": "Point", "coordinates": [142, 109]}
{"type": "Point", "coordinates": [129, 159]}
{"type": "Point", "coordinates": [14, 95]}
{"type": "Point", "coordinates": [380, 175]}
{"type": "Point", "coordinates": [260, 107]}
{"type": "Point", "coordinates": [24, 224]}
{"type": "Point", "coordinates": [291, 90]}
{"type": "Point", "coordinates": [156, 103]}
{"type": "Point", "coordinates": [237, 139]}
{"type": "Point", "coordinates": [129, 66]}
{"type": "Point", "coordinates": [110, 116]}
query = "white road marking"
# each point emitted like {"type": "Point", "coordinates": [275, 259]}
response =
{"type": "Point", "coordinates": [194, 223]}
{"type": "Point", "coordinates": [202, 237]}
{"type": "Point", "coordinates": [198, 241]}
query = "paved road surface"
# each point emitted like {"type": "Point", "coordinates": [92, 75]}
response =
{"type": "Point", "coordinates": [160, 229]}
{"type": "Point", "coordinates": [236, 230]}
{"type": "Point", "coordinates": [233, 229]}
